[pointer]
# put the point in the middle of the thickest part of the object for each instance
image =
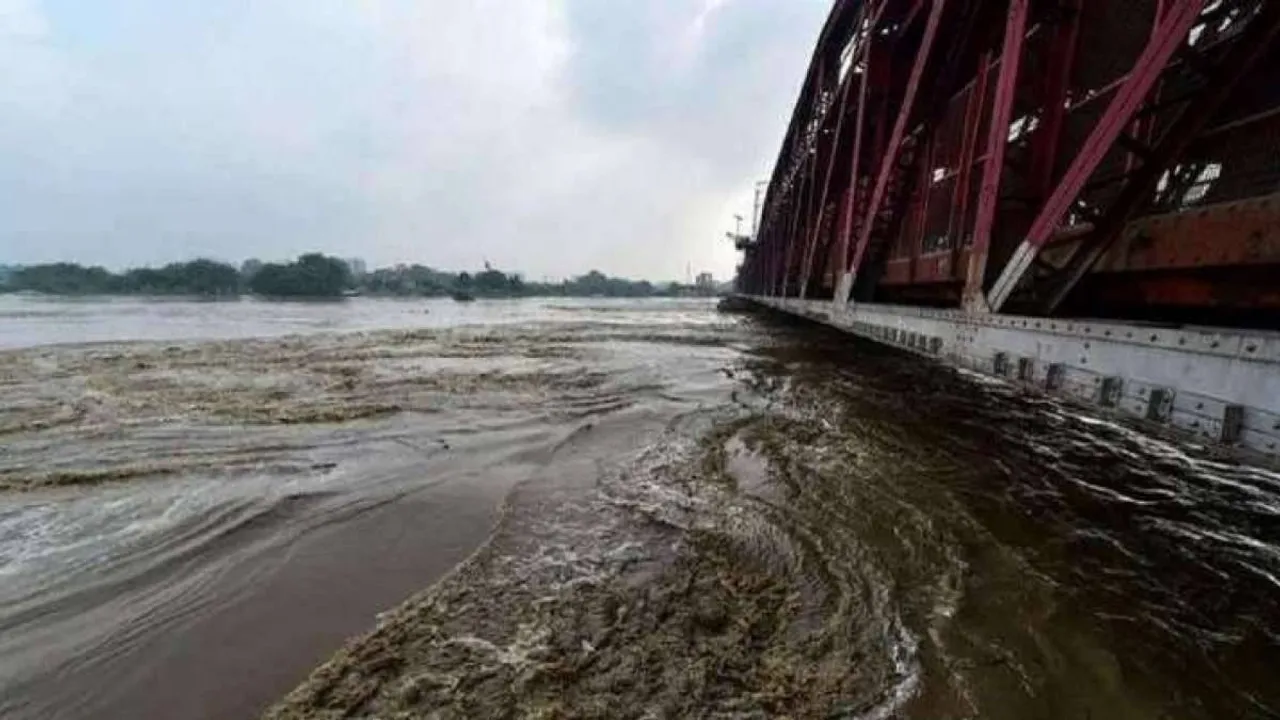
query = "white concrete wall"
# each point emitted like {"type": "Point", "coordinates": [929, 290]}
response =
{"type": "Point", "coordinates": [1219, 384]}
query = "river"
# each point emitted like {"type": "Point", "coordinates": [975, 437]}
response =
{"type": "Point", "coordinates": [594, 508]}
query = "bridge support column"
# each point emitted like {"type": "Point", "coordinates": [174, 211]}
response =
{"type": "Point", "coordinates": [997, 142]}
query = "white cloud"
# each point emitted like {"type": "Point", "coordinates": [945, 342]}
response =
{"type": "Point", "coordinates": [546, 137]}
{"type": "Point", "coordinates": [699, 24]}
{"type": "Point", "coordinates": [32, 78]}
{"type": "Point", "coordinates": [22, 20]}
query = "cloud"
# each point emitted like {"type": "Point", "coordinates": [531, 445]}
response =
{"type": "Point", "coordinates": [546, 137]}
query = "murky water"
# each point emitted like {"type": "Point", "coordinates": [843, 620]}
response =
{"type": "Point", "coordinates": [653, 510]}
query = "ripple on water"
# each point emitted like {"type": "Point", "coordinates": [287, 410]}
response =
{"type": "Point", "coordinates": [796, 525]}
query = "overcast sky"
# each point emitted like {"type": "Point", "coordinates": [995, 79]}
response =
{"type": "Point", "coordinates": [547, 136]}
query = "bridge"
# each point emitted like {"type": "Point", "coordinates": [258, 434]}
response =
{"type": "Point", "coordinates": [1079, 195]}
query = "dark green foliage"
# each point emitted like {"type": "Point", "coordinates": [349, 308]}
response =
{"type": "Point", "coordinates": [198, 277]}
{"type": "Point", "coordinates": [496, 283]}
{"type": "Point", "coordinates": [408, 280]}
{"type": "Point", "coordinates": [316, 276]}
{"type": "Point", "coordinates": [62, 279]}
{"type": "Point", "coordinates": [418, 280]}
{"type": "Point", "coordinates": [596, 283]}
{"type": "Point", "coordinates": [311, 276]}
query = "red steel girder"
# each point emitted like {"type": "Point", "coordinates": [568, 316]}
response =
{"type": "Point", "coordinates": [851, 196]}
{"type": "Point", "coordinates": [832, 155]}
{"type": "Point", "coordinates": [794, 151]}
{"type": "Point", "coordinates": [1179, 17]}
{"type": "Point", "coordinates": [1224, 79]}
{"type": "Point", "coordinates": [973, 149]}
{"type": "Point", "coordinates": [997, 142]}
{"type": "Point", "coordinates": [977, 96]}
{"type": "Point", "coordinates": [1046, 144]}
{"type": "Point", "coordinates": [864, 36]}
{"type": "Point", "coordinates": [889, 161]}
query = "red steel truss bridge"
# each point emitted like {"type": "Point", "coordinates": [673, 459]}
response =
{"type": "Point", "coordinates": [971, 179]}
{"type": "Point", "coordinates": [1113, 157]}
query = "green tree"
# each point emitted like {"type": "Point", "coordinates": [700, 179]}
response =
{"type": "Point", "coordinates": [64, 279]}
{"type": "Point", "coordinates": [311, 276]}
{"type": "Point", "coordinates": [198, 277]}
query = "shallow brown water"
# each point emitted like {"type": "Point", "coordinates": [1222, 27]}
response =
{"type": "Point", "coordinates": [672, 513]}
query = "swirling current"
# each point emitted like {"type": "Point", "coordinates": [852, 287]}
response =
{"type": "Point", "coordinates": [607, 509]}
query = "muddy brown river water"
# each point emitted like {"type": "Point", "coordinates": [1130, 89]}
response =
{"type": "Point", "coordinates": [595, 509]}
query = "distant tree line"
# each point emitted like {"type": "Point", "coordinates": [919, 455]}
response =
{"type": "Point", "coordinates": [198, 277]}
{"type": "Point", "coordinates": [315, 276]}
{"type": "Point", "coordinates": [310, 276]}
{"type": "Point", "coordinates": [422, 281]}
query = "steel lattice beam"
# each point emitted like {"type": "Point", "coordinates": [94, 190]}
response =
{"type": "Point", "coordinates": [1168, 37]}
{"type": "Point", "coordinates": [890, 159]}
{"type": "Point", "coordinates": [968, 155]}
{"type": "Point", "coordinates": [997, 142]}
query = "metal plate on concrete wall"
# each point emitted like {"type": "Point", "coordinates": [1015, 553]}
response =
{"type": "Point", "coordinates": [1216, 384]}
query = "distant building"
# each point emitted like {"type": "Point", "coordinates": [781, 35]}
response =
{"type": "Point", "coordinates": [357, 266]}
{"type": "Point", "coordinates": [704, 285]}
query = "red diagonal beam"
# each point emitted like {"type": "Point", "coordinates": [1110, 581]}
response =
{"type": "Point", "coordinates": [1253, 44]}
{"type": "Point", "coordinates": [867, 21]}
{"type": "Point", "coordinates": [1179, 18]}
{"type": "Point", "coordinates": [958, 223]}
{"type": "Point", "coordinates": [785, 165]}
{"type": "Point", "coordinates": [895, 139]}
{"type": "Point", "coordinates": [798, 195]}
{"type": "Point", "coordinates": [832, 154]}
{"type": "Point", "coordinates": [807, 220]}
{"type": "Point", "coordinates": [846, 221]}
{"type": "Point", "coordinates": [997, 141]}
{"type": "Point", "coordinates": [1047, 140]}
